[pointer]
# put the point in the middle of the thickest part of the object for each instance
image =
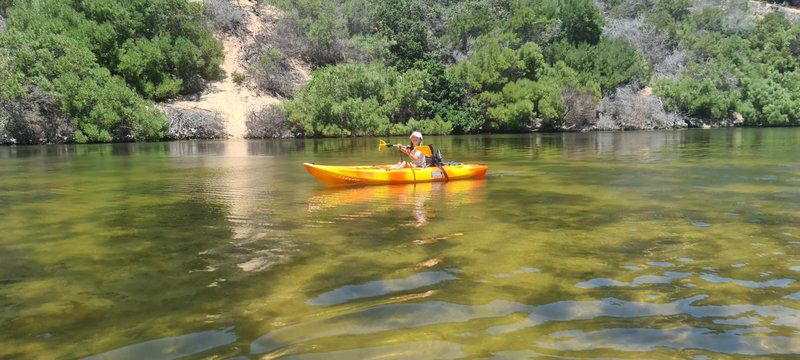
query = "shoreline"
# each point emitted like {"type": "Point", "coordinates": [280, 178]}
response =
{"type": "Point", "coordinates": [239, 139]}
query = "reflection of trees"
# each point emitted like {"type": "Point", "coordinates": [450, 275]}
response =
{"type": "Point", "coordinates": [118, 247]}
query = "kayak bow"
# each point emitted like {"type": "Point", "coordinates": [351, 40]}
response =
{"type": "Point", "coordinates": [378, 175]}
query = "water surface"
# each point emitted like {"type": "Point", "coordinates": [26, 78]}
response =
{"type": "Point", "coordinates": [616, 245]}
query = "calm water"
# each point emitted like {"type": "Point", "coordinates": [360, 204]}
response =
{"type": "Point", "coordinates": [617, 245]}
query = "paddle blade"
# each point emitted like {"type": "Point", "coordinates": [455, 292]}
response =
{"type": "Point", "coordinates": [382, 145]}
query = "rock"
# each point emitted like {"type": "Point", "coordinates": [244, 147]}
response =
{"type": "Point", "coordinates": [2, 24]}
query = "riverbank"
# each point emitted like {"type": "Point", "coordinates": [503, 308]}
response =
{"type": "Point", "coordinates": [268, 73]}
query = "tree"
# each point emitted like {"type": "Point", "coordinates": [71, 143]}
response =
{"type": "Point", "coordinates": [581, 21]}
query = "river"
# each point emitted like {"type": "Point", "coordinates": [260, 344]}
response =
{"type": "Point", "coordinates": [655, 244]}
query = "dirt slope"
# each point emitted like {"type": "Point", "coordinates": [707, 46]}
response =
{"type": "Point", "coordinates": [233, 102]}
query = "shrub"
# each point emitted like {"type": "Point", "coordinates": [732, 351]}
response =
{"type": "Point", "coordinates": [356, 99]}
{"type": "Point", "coordinates": [269, 122]}
{"type": "Point", "coordinates": [274, 74]}
{"type": "Point", "coordinates": [34, 120]}
{"type": "Point", "coordinates": [581, 21]}
{"type": "Point", "coordinates": [469, 20]}
{"type": "Point", "coordinates": [224, 16]}
{"type": "Point", "coordinates": [581, 109]}
{"type": "Point", "coordinates": [89, 56]}
{"type": "Point", "coordinates": [194, 124]}
{"type": "Point", "coordinates": [628, 110]}
{"type": "Point", "coordinates": [499, 60]}
{"type": "Point", "coordinates": [610, 64]}
{"type": "Point", "coordinates": [435, 126]}
{"type": "Point", "coordinates": [526, 105]}
{"type": "Point", "coordinates": [403, 23]}
{"type": "Point", "coordinates": [661, 51]}
{"type": "Point", "coordinates": [237, 77]}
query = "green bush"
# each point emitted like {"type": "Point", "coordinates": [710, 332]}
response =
{"type": "Point", "coordinates": [581, 21]}
{"type": "Point", "coordinates": [99, 58]}
{"type": "Point", "coordinates": [498, 60]}
{"type": "Point", "coordinates": [610, 64]}
{"type": "Point", "coordinates": [521, 103]}
{"type": "Point", "coordinates": [356, 99]}
{"type": "Point", "coordinates": [754, 73]}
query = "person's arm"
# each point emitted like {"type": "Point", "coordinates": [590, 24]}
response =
{"type": "Point", "coordinates": [410, 153]}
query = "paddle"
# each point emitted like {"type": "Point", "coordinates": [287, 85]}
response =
{"type": "Point", "coordinates": [383, 145]}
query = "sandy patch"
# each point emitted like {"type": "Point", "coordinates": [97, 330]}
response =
{"type": "Point", "coordinates": [233, 102]}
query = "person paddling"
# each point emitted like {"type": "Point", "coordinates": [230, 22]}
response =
{"type": "Point", "coordinates": [417, 157]}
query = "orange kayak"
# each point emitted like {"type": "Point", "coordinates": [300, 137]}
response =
{"type": "Point", "coordinates": [378, 175]}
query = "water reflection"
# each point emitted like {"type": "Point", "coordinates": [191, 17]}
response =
{"type": "Point", "coordinates": [781, 283]}
{"type": "Point", "coordinates": [412, 350]}
{"type": "Point", "coordinates": [733, 342]}
{"type": "Point", "coordinates": [663, 234]}
{"type": "Point", "coordinates": [353, 203]}
{"type": "Point", "coordinates": [380, 287]}
{"type": "Point", "coordinates": [406, 316]}
{"type": "Point", "coordinates": [667, 278]}
{"type": "Point", "coordinates": [170, 348]}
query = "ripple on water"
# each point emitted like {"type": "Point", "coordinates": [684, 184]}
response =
{"type": "Point", "coordinates": [398, 316]}
{"type": "Point", "coordinates": [781, 283]}
{"type": "Point", "coordinates": [411, 350]}
{"type": "Point", "coordinates": [660, 263]}
{"type": "Point", "coordinates": [172, 347]}
{"type": "Point", "coordinates": [733, 342]}
{"type": "Point", "coordinates": [379, 287]}
{"type": "Point", "coordinates": [667, 278]}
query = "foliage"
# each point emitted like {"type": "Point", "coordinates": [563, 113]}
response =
{"type": "Point", "coordinates": [581, 21]}
{"type": "Point", "coordinates": [275, 74]}
{"type": "Point", "coordinates": [521, 103]}
{"type": "Point", "coordinates": [402, 22]}
{"type": "Point", "coordinates": [752, 73]}
{"type": "Point", "coordinates": [100, 59]}
{"type": "Point", "coordinates": [356, 99]}
{"type": "Point", "coordinates": [610, 64]}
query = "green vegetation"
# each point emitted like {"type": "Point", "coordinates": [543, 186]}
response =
{"type": "Point", "coordinates": [752, 69]}
{"type": "Point", "coordinates": [90, 70]}
{"type": "Point", "coordinates": [102, 62]}
{"type": "Point", "coordinates": [465, 66]}
{"type": "Point", "coordinates": [528, 64]}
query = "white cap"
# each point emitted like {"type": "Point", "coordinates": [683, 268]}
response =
{"type": "Point", "coordinates": [417, 134]}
